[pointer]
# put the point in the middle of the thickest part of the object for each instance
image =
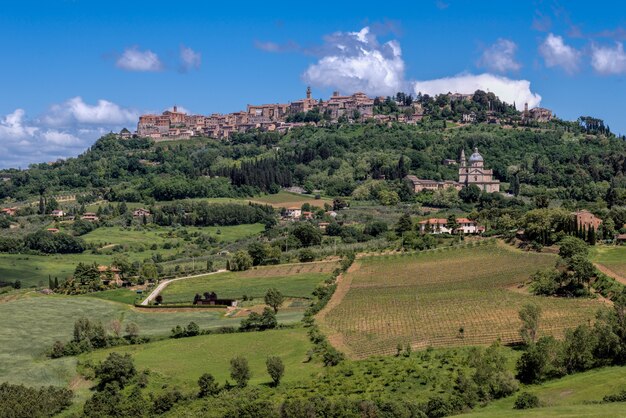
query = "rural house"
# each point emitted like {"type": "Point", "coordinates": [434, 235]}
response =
{"type": "Point", "coordinates": [440, 226]}
{"type": "Point", "coordinates": [57, 213]}
{"type": "Point", "coordinates": [586, 220]}
{"type": "Point", "coordinates": [138, 213]}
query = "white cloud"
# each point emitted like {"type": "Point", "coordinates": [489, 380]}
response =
{"type": "Point", "coordinates": [508, 90]}
{"type": "Point", "coordinates": [75, 111]}
{"type": "Point", "coordinates": [189, 59]}
{"type": "Point", "coordinates": [557, 54]}
{"type": "Point", "coordinates": [67, 129]}
{"type": "Point", "coordinates": [500, 57]}
{"type": "Point", "coordinates": [355, 61]}
{"type": "Point", "coordinates": [12, 125]}
{"type": "Point", "coordinates": [59, 138]}
{"type": "Point", "coordinates": [132, 59]}
{"type": "Point", "coordinates": [607, 60]}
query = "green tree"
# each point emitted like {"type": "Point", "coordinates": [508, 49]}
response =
{"type": "Point", "coordinates": [116, 368]}
{"type": "Point", "coordinates": [530, 315]}
{"type": "Point", "coordinates": [241, 261]}
{"type": "Point", "coordinates": [149, 271]}
{"type": "Point", "coordinates": [452, 224]}
{"type": "Point", "coordinates": [240, 371]}
{"type": "Point", "coordinates": [275, 368]}
{"type": "Point", "coordinates": [307, 233]}
{"type": "Point", "coordinates": [470, 193]}
{"type": "Point", "coordinates": [274, 298]}
{"type": "Point", "coordinates": [572, 246]}
{"type": "Point", "coordinates": [405, 224]}
{"type": "Point", "coordinates": [208, 386]}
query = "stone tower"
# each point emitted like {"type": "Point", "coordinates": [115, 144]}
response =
{"type": "Point", "coordinates": [308, 92]}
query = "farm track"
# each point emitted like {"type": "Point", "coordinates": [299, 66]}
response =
{"type": "Point", "coordinates": [344, 282]}
{"type": "Point", "coordinates": [604, 269]}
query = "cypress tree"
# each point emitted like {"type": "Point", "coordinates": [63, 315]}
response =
{"type": "Point", "coordinates": [591, 236]}
{"type": "Point", "coordinates": [56, 282]}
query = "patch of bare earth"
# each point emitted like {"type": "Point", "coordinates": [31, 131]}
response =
{"type": "Point", "coordinates": [344, 281]}
{"type": "Point", "coordinates": [79, 382]}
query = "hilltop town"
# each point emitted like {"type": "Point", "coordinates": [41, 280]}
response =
{"type": "Point", "coordinates": [358, 107]}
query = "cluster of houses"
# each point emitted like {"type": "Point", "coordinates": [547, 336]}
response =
{"type": "Point", "coordinates": [440, 226]}
{"type": "Point", "coordinates": [176, 124]}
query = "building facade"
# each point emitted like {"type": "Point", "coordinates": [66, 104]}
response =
{"type": "Point", "coordinates": [474, 172]}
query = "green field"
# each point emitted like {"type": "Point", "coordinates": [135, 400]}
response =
{"type": "Point", "coordinates": [182, 361]}
{"type": "Point", "coordinates": [122, 295]}
{"type": "Point", "coordinates": [31, 323]}
{"type": "Point", "coordinates": [566, 396]}
{"type": "Point", "coordinates": [160, 235]}
{"type": "Point", "coordinates": [292, 280]}
{"type": "Point", "coordinates": [33, 270]}
{"type": "Point", "coordinates": [425, 299]}
{"type": "Point", "coordinates": [611, 257]}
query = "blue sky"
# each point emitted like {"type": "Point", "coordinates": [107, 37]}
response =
{"type": "Point", "coordinates": [73, 69]}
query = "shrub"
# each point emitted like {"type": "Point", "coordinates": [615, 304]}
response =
{"type": "Point", "coordinates": [208, 386]}
{"type": "Point", "coordinates": [526, 400]}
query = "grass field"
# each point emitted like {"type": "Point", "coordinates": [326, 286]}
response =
{"type": "Point", "coordinates": [425, 299]}
{"type": "Point", "coordinates": [33, 270]}
{"type": "Point", "coordinates": [160, 235]}
{"type": "Point", "coordinates": [293, 280]}
{"type": "Point", "coordinates": [611, 257]}
{"type": "Point", "coordinates": [122, 295]}
{"type": "Point", "coordinates": [286, 199]}
{"type": "Point", "coordinates": [30, 324]}
{"type": "Point", "coordinates": [566, 396]}
{"type": "Point", "coordinates": [182, 361]}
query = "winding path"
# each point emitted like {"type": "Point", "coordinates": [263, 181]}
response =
{"type": "Point", "coordinates": [165, 283]}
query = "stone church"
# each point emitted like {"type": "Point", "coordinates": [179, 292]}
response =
{"type": "Point", "coordinates": [470, 172]}
{"type": "Point", "coordinates": [474, 172]}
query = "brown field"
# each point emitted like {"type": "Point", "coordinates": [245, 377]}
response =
{"type": "Point", "coordinates": [290, 269]}
{"type": "Point", "coordinates": [425, 299]}
{"type": "Point", "coordinates": [287, 200]}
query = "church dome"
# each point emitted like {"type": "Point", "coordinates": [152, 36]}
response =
{"type": "Point", "coordinates": [475, 157]}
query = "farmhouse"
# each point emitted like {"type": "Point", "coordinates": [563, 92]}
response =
{"type": "Point", "coordinates": [57, 213]}
{"type": "Point", "coordinates": [422, 184]}
{"type": "Point", "coordinates": [586, 220]}
{"type": "Point", "coordinates": [621, 239]}
{"type": "Point", "coordinates": [89, 216]}
{"type": "Point", "coordinates": [110, 274]}
{"type": "Point", "coordinates": [440, 226]}
{"type": "Point", "coordinates": [210, 298]}
{"type": "Point", "coordinates": [138, 213]}
{"type": "Point", "coordinates": [293, 212]}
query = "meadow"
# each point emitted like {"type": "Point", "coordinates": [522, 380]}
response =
{"type": "Point", "coordinates": [293, 280]}
{"type": "Point", "coordinates": [30, 323]}
{"type": "Point", "coordinates": [181, 362]}
{"type": "Point", "coordinates": [567, 396]}
{"type": "Point", "coordinates": [447, 297]}
{"type": "Point", "coordinates": [34, 270]}
{"type": "Point", "coordinates": [610, 257]}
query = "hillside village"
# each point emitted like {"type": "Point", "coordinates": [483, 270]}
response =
{"type": "Point", "coordinates": [281, 117]}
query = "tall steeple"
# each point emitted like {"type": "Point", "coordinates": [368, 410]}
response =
{"type": "Point", "coordinates": [463, 162]}
{"type": "Point", "coordinates": [308, 92]}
